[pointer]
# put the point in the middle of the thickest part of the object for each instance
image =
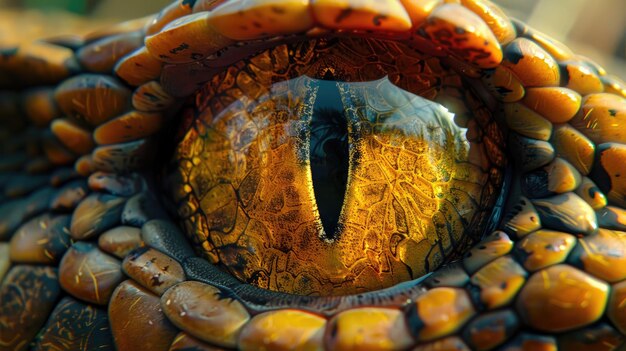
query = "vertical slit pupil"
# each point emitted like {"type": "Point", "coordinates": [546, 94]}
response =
{"type": "Point", "coordinates": [329, 155]}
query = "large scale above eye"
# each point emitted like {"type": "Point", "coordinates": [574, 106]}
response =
{"type": "Point", "coordinates": [323, 175]}
{"type": "Point", "coordinates": [240, 112]}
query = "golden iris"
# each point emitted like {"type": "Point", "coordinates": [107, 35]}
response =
{"type": "Point", "coordinates": [325, 168]}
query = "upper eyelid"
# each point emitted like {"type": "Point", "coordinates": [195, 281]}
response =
{"type": "Point", "coordinates": [140, 66]}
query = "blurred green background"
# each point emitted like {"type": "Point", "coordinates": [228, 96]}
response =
{"type": "Point", "coordinates": [122, 9]}
{"type": "Point", "coordinates": [594, 28]}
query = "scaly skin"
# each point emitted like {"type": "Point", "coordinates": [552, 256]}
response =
{"type": "Point", "coordinates": [92, 257]}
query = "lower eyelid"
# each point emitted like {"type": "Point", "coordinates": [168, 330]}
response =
{"type": "Point", "coordinates": [551, 278]}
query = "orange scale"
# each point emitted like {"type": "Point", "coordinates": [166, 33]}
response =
{"type": "Point", "coordinates": [614, 85]}
{"type": "Point", "coordinates": [92, 98]}
{"type": "Point", "coordinates": [523, 220]}
{"type": "Point", "coordinates": [555, 48]}
{"type": "Point", "coordinates": [494, 245]}
{"type": "Point", "coordinates": [490, 330]}
{"type": "Point", "coordinates": [580, 78]}
{"type": "Point", "coordinates": [39, 63]}
{"type": "Point", "coordinates": [151, 332]}
{"type": "Point", "coordinates": [532, 65]}
{"type": "Point", "coordinates": [284, 329]}
{"type": "Point", "coordinates": [601, 118]}
{"type": "Point", "coordinates": [73, 136]}
{"type": "Point", "coordinates": [562, 298]}
{"type": "Point", "coordinates": [85, 165]}
{"type": "Point", "coordinates": [255, 19]}
{"type": "Point", "coordinates": [452, 343]}
{"type": "Point", "coordinates": [556, 104]}
{"type": "Point", "coordinates": [617, 307]}
{"type": "Point", "coordinates": [200, 310]}
{"type": "Point", "coordinates": [499, 281]}
{"type": "Point", "coordinates": [153, 269]}
{"type": "Point", "coordinates": [120, 241]}
{"type": "Point", "coordinates": [495, 18]}
{"type": "Point", "coordinates": [504, 85]}
{"type": "Point", "coordinates": [527, 122]}
{"type": "Point", "coordinates": [442, 312]}
{"type": "Point", "coordinates": [562, 176]}
{"type": "Point", "coordinates": [464, 34]}
{"type": "Point", "coordinates": [171, 12]}
{"type": "Point", "coordinates": [544, 248]}
{"type": "Point", "coordinates": [124, 157]}
{"type": "Point", "coordinates": [591, 63]}
{"type": "Point", "coordinates": [186, 39]}
{"type": "Point", "coordinates": [40, 107]}
{"type": "Point", "coordinates": [138, 67]}
{"type": "Point", "coordinates": [590, 192]}
{"type": "Point", "coordinates": [573, 146]}
{"type": "Point", "coordinates": [419, 10]}
{"type": "Point", "coordinates": [151, 97]}
{"type": "Point", "coordinates": [102, 55]}
{"type": "Point", "coordinates": [90, 274]}
{"type": "Point", "coordinates": [128, 127]}
{"type": "Point", "coordinates": [603, 255]}
{"type": "Point", "coordinates": [383, 15]}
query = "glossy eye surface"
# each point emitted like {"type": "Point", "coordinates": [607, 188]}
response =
{"type": "Point", "coordinates": [324, 168]}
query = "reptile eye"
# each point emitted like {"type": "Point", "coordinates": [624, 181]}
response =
{"type": "Point", "coordinates": [324, 157]}
{"type": "Point", "coordinates": [336, 166]}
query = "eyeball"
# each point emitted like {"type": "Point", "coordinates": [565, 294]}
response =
{"type": "Point", "coordinates": [352, 166]}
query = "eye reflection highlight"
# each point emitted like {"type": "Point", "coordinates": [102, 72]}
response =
{"type": "Point", "coordinates": [328, 187]}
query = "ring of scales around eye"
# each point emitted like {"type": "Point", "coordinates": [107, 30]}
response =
{"type": "Point", "coordinates": [338, 185]}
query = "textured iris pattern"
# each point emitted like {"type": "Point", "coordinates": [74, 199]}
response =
{"type": "Point", "coordinates": [418, 191]}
